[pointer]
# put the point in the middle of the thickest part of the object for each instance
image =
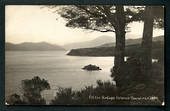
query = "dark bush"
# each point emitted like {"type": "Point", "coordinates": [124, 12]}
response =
{"type": "Point", "coordinates": [31, 92]}
{"type": "Point", "coordinates": [68, 96]}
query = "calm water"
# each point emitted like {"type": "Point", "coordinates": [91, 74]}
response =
{"type": "Point", "coordinates": [54, 66]}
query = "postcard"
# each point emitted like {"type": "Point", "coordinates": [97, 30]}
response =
{"type": "Point", "coordinates": [84, 55]}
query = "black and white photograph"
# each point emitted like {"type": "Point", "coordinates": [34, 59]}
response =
{"type": "Point", "coordinates": [84, 55]}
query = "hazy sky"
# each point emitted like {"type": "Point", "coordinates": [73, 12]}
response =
{"type": "Point", "coordinates": [26, 23]}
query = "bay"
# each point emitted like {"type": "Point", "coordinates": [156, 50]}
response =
{"type": "Point", "coordinates": [58, 68]}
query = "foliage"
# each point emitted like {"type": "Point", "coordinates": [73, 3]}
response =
{"type": "Point", "coordinates": [31, 92]}
{"type": "Point", "coordinates": [68, 96]}
{"type": "Point", "coordinates": [94, 17]}
{"type": "Point", "coordinates": [132, 82]}
{"type": "Point", "coordinates": [35, 84]}
{"type": "Point", "coordinates": [15, 99]}
{"type": "Point", "coordinates": [158, 12]}
{"type": "Point", "coordinates": [63, 95]}
{"type": "Point", "coordinates": [102, 18]}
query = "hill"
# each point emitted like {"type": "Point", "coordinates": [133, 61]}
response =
{"type": "Point", "coordinates": [133, 41]}
{"type": "Point", "coordinates": [29, 46]}
{"type": "Point", "coordinates": [92, 43]}
{"type": "Point", "coordinates": [134, 49]}
{"type": "Point", "coordinates": [96, 42]}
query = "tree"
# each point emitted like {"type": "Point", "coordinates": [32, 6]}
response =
{"type": "Point", "coordinates": [31, 94]}
{"type": "Point", "coordinates": [99, 18]}
{"type": "Point", "coordinates": [147, 41]}
{"type": "Point", "coordinates": [153, 16]}
{"type": "Point", "coordinates": [32, 90]}
{"type": "Point", "coordinates": [106, 18]}
{"type": "Point", "coordinates": [120, 36]}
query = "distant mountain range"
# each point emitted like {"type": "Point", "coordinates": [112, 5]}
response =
{"type": "Point", "coordinates": [30, 46]}
{"type": "Point", "coordinates": [92, 43]}
{"type": "Point", "coordinates": [101, 41]}
{"type": "Point", "coordinates": [133, 41]}
{"type": "Point", "coordinates": [96, 42]}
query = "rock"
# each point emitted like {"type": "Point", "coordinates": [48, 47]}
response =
{"type": "Point", "coordinates": [91, 67]}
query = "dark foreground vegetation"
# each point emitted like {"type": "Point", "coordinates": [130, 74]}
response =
{"type": "Point", "coordinates": [31, 92]}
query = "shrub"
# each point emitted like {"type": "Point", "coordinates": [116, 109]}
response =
{"type": "Point", "coordinates": [15, 99]}
{"type": "Point", "coordinates": [68, 96]}
{"type": "Point", "coordinates": [31, 92]}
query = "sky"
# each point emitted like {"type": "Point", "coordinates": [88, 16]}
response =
{"type": "Point", "coordinates": [28, 23]}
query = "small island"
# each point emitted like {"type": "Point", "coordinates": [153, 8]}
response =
{"type": "Point", "coordinates": [91, 67]}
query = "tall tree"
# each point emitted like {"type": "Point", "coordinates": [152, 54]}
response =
{"type": "Point", "coordinates": [120, 36]}
{"type": "Point", "coordinates": [147, 41]}
{"type": "Point", "coordinates": [153, 16]}
{"type": "Point", "coordinates": [103, 19]}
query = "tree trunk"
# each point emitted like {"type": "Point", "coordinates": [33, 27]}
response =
{"type": "Point", "coordinates": [120, 46]}
{"type": "Point", "coordinates": [147, 43]}
{"type": "Point", "coordinates": [120, 36]}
